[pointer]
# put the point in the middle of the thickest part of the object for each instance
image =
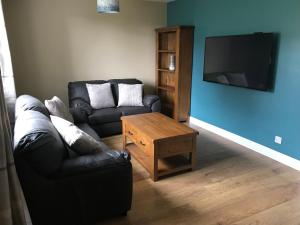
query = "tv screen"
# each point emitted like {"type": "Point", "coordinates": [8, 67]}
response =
{"type": "Point", "coordinates": [241, 60]}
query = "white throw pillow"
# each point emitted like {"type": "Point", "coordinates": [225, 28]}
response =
{"type": "Point", "coordinates": [56, 107]}
{"type": "Point", "coordinates": [130, 95]}
{"type": "Point", "coordinates": [100, 95]}
{"type": "Point", "coordinates": [79, 141]}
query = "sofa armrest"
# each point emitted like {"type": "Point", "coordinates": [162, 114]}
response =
{"type": "Point", "coordinates": [79, 103]}
{"type": "Point", "coordinates": [80, 110]}
{"type": "Point", "coordinates": [102, 161]}
{"type": "Point", "coordinates": [79, 115]}
{"type": "Point", "coordinates": [153, 102]}
{"type": "Point", "coordinates": [100, 184]}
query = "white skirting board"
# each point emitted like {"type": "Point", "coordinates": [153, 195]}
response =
{"type": "Point", "coordinates": [266, 151]}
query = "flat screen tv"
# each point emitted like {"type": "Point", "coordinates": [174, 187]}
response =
{"type": "Point", "coordinates": [241, 60]}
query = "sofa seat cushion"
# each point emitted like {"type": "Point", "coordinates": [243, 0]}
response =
{"type": "Point", "coordinates": [107, 115]}
{"type": "Point", "coordinates": [108, 129]}
{"type": "Point", "coordinates": [133, 110]}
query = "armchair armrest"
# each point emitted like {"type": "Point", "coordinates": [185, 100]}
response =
{"type": "Point", "coordinates": [80, 110]}
{"type": "Point", "coordinates": [153, 102]}
{"type": "Point", "coordinates": [105, 160]}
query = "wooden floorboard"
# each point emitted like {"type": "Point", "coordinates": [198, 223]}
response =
{"type": "Point", "coordinates": [231, 185]}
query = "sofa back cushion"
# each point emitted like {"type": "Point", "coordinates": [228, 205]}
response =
{"type": "Point", "coordinates": [37, 141]}
{"type": "Point", "coordinates": [116, 82]}
{"type": "Point", "coordinates": [130, 95]}
{"type": "Point", "coordinates": [78, 90]}
{"type": "Point", "coordinates": [57, 107]}
{"type": "Point", "coordinates": [78, 140]}
{"type": "Point", "coordinates": [101, 96]}
{"type": "Point", "coordinates": [27, 102]}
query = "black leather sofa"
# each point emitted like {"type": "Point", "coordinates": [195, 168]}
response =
{"type": "Point", "coordinates": [61, 188]}
{"type": "Point", "coordinates": [106, 122]}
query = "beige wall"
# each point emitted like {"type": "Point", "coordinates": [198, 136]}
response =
{"type": "Point", "coordinates": [56, 41]}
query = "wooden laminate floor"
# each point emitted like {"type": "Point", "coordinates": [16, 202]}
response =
{"type": "Point", "coordinates": [232, 185]}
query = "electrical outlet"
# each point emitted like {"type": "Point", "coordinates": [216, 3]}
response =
{"type": "Point", "coordinates": [278, 140]}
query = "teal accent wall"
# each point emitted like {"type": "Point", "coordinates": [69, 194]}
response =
{"type": "Point", "coordinates": [255, 115]}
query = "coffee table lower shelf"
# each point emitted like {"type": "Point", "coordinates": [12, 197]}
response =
{"type": "Point", "coordinates": [166, 166]}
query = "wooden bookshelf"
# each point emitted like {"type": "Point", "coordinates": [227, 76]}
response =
{"type": "Point", "coordinates": [165, 70]}
{"type": "Point", "coordinates": [167, 88]}
{"type": "Point", "coordinates": [174, 87]}
{"type": "Point", "coordinates": [166, 51]}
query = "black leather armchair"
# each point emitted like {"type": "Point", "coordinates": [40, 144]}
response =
{"type": "Point", "coordinates": [61, 188]}
{"type": "Point", "coordinates": [106, 122]}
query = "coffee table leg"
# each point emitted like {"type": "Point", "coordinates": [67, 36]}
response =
{"type": "Point", "coordinates": [194, 154]}
{"type": "Point", "coordinates": [124, 136]}
{"type": "Point", "coordinates": [154, 165]}
{"type": "Point", "coordinates": [153, 174]}
{"type": "Point", "coordinates": [124, 141]}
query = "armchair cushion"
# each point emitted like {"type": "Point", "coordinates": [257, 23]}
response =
{"type": "Point", "coordinates": [107, 115]}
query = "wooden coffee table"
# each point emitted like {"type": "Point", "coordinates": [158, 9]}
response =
{"type": "Point", "coordinates": [160, 144]}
